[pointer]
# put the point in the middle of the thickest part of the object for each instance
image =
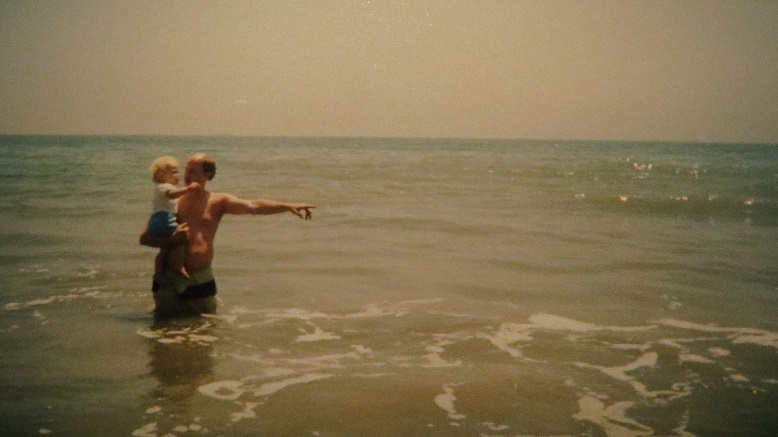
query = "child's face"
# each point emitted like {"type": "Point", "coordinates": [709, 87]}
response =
{"type": "Point", "coordinates": [170, 176]}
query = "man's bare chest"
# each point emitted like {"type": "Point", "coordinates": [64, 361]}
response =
{"type": "Point", "coordinates": [199, 213]}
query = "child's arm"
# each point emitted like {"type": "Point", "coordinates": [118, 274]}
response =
{"type": "Point", "coordinates": [175, 193]}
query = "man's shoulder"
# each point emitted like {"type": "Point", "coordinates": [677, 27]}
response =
{"type": "Point", "coordinates": [227, 203]}
{"type": "Point", "coordinates": [220, 200]}
{"type": "Point", "coordinates": [217, 197]}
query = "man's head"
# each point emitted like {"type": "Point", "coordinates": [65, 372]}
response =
{"type": "Point", "coordinates": [200, 168]}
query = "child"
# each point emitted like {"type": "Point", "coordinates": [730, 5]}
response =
{"type": "Point", "coordinates": [164, 172]}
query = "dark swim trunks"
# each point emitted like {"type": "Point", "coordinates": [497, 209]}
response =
{"type": "Point", "coordinates": [199, 284]}
{"type": "Point", "coordinates": [205, 289]}
{"type": "Point", "coordinates": [185, 297]}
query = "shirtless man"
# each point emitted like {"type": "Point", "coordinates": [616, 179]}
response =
{"type": "Point", "coordinates": [200, 213]}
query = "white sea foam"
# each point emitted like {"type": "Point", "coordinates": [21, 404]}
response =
{"type": "Point", "coordinates": [438, 348]}
{"type": "Point", "coordinates": [495, 427]}
{"type": "Point", "coordinates": [226, 390]}
{"type": "Point", "coordinates": [648, 359]}
{"type": "Point", "coordinates": [247, 413]}
{"type": "Point", "coordinates": [435, 360]}
{"type": "Point", "coordinates": [317, 335]}
{"type": "Point", "coordinates": [507, 335]}
{"type": "Point", "coordinates": [272, 387]}
{"type": "Point", "coordinates": [398, 309]}
{"type": "Point", "coordinates": [736, 335]}
{"type": "Point", "coordinates": [446, 401]}
{"type": "Point", "coordinates": [147, 430]}
{"type": "Point", "coordinates": [718, 352]}
{"type": "Point", "coordinates": [86, 292]}
{"type": "Point", "coordinates": [694, 358]}
{"type": "Point", "coordinates": [232, 390]}
{"type": "Point", "coordinates": [611, 418]}
{"type": "Point", "coordinates": [550, 321]}
{"type": "Point", "coordinates": [199, 334]}
{"type": "Point", "coordinates": [329, 361]}
{"type": "Point", "coordinates": [295, 313]}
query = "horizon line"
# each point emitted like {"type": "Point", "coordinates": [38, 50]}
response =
{"type": "Point", "coordinates": [381, 137]}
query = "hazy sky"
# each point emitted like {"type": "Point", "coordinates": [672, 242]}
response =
{"type": "Point", "coordinates": [625, 69]}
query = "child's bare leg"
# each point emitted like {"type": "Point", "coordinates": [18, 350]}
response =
{"type": "Point", "coordinates": [159, 263]}
{"type": "Point", "coordinates": [175, 258]}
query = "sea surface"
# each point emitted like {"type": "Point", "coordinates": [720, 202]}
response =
{"type": "Point", "coordinates": [443, 288]}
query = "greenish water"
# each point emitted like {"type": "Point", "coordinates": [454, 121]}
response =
{"type": "Point", "coordinates": [444, 287]}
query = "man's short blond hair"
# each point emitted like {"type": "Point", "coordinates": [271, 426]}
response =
{"type": "Point", "coordinates": [162, 165]}
{"type": "Point", "coordinates": [207, 163]}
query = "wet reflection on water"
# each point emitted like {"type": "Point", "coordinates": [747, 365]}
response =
{"type": "Point", "coordinates": [181, 360]}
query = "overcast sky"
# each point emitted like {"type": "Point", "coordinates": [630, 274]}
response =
{"type": "Point", "coordinates": [608, 70]}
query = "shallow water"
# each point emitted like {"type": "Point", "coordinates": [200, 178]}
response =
{"type": "Point", "coordinates": [444, 287]}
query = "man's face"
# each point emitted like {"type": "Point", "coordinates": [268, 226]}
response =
{"type": "Point", "coordinates": [194, 173]}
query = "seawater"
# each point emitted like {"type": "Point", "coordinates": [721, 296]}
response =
{"type": "Point", "coordinates": [444, 287]}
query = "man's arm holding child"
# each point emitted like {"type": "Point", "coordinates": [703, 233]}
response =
{"type": "Point", "coordinates": [178, 237]}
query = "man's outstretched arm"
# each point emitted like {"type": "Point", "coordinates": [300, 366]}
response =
{"type": "Point", "coordinates": [235, 205]}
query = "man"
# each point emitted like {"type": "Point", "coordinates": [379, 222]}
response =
{"type": "Point", "coordinates": [200, 212]}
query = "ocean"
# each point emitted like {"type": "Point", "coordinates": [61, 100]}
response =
{"type": "Point", "coordinates": [443, 288]}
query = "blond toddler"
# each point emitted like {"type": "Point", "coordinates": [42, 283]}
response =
{"type": "Point", "coordinates": [164, 172]}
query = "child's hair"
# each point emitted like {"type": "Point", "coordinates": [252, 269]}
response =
{"type": "Point", "coordinates": [162, 165]}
